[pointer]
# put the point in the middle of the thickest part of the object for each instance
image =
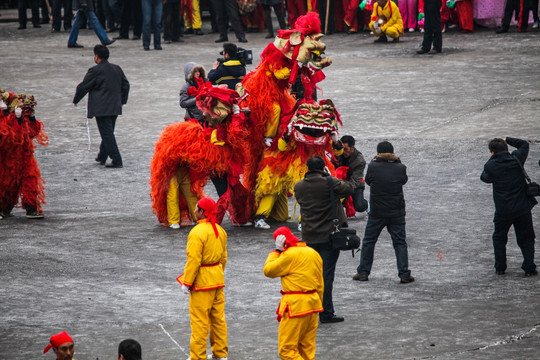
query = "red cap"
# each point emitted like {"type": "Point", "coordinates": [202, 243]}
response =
{"type": "Point", "coordinates": [57, 340]}
{"type": "Point", "coordinates": [291, 239]}
{"type": "Point", "coordinates": [210, 209]}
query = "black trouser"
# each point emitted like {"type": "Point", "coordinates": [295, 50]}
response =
{"type": "Point", "coordinates": [268, 18]}
{"type": "Point", "coordinates": [523, 227]}
{"type": "Point", "coordinates": [432, 25]}
{"type": "Point", "coordinates": [34, 6]}
{"type": "Point", "coordinates": [220, 183]}
{"type": "Point", "coordinates": [224, 9]}
{"type": "Point", "coordinates": [360, 204]}
{"type": "Point", "coordinates": [329, 257]}
{"type": "Point", "coordinates": [321, 6]}
{"type": "Point", "coordinates": [44, 12]}
{"type": "Point", "coordinates": [171, 21]}
{"type": "Point", "coordinates": [108, 147]}
{"type": "Point", "coordinates": [131, 15]}
{"type": "Point", "coordinates": [57, 14]}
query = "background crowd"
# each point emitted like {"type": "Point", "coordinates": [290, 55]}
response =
{"type": "Point", "coordinates": [172, 19]}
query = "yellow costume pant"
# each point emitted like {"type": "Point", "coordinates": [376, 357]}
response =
{"type": "Point", "coordinates": [274, 206]}
{"type": "Point", "coordinates": [297, 336]}
{"type": "Point", "coordinates": [207, 313]}
{"type": "Point", "coordinates": [392, 31]}
{"type": "Point", "coordinates": [181, 181]}
{"type": "Point", "coordinates": [194, 21]}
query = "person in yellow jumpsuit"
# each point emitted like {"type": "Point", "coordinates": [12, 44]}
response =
{"type": "Point", "coordinates": [300, 268]}
{"type": "Point", "coordinates": [203, 279]}
{"type": "Point", "coordinates": [386, 20]}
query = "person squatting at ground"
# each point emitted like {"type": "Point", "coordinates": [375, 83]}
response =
{"type": "Point", "coordinates": [195, 75]}
{"type": "Point", "coordinates": [20, 176]}
{"type": "Point", "coordinates": [300, 269]}
{"type": "Point", "coordinates": [62, 345]}
{"type": "Point", "coordinates": [386, 176]}
{"type": "Point", "coordinates": [386, 20]}
{"type": "Point", "coordinates": [129, 349]}
{"type": "Point", "coordinates": [108, 89]}
{"type": "Point", "coordinates": [317, 212]}
{"type": "Point", "coordinates": [203, 279]}
{"type": "Point", "coordinates": [432, 28]}
{"type": "Point", "coordinates": [229, 71]}
{"type": "Point", "coordinates": [512, 203]}
{"type": "Point", "coordinates": [355, 162]}
{"type": "Point", "coordinates": [85, 9]}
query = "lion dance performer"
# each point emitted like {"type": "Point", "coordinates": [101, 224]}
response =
{"type": "Point", "coordinates": [313, 130]}
{"type": "Point", "coordinates": [20, 177]}
{"type": "Point", "coordinates": [187, 153]}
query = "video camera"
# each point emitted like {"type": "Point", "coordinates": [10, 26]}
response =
{"type": "Point", "coordinates": [243, 55]}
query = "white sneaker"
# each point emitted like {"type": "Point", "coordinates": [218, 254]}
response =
{"type": "Point", "coordinates": [261, 224]}
{"type": "Point", "coordinates": [175, 226]}
{"type": "Point", "coordinates": [299, 227]}
{"type": "Point", "coordinates": [411, 30]}
{"type": "Point", "coordinates": [535, 25]}
{"type": "Point", "coordinates": [211, 357]}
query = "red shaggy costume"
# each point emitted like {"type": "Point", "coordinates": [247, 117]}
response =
{"type": "Point", "coordinates": [20, 177]}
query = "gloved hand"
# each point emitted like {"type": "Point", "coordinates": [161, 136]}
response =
{"type": "Point", "coordinates": [280, 242]}
{"type": "Point", "coordinates": [235, 109]}
{"type": "Point", "coordinates": [18, 111]}
{"type": "Point", "coordinates": [186, 290]}
{"type": "Point", "coordinates": [3, 105]}
{"type": "Point", "coordinates": [334, 136]}
{"type": "Point", "coordinates": [268, 141]}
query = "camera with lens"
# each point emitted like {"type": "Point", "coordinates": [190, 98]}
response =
{"type": "Point", "coordinates": [245, 56]}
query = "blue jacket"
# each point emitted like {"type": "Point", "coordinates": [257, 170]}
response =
{"type": "Point", "coordinates": [229, 72]}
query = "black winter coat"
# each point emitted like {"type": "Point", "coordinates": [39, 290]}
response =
{"type": "Point", "coordinates": [386, 176]}
{"type": "Point", "coordinates": [313, 195]}
{"type": "Point", "coordinates": [509, 185]}
{"type": "Point", "coordinates": [108, 90]}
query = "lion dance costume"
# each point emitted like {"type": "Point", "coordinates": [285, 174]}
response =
{"type": "Point", "coordinates": [20, 177]}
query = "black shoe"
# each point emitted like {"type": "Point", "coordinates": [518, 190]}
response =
{"type": "Point", "coordinates": [158, 47]}
{"type": "Point", "coordinates": [434, 51]}
{"type": "Point", "coordinates": [33, 214]}
{"type": "Point", "coordinates": [396, 40]}
{"type": "Point", "coordinates": [269, 36]}
{"type": "Point", "coordinates": [21, 27]}
{"type": "Point", "coordinates": [332, 319]}
{"type": "Point", "coordinates": [421, 51]}
{"type": "Point", "coordinates": [178, 40]}
{"type": "Point", "coordinates": [242, 40]}
{"type": "Point", "coordinates": [121, 38]}
{"type": "Point", "coordinates": [501, 31]}
{"type": "Point", "coordinates": [381, 39]}
{"type": "Point", "coordinates": [102, 162]}
{"type": "Point", "coordinates": [37, 26]}
{"type": "Point", "coordinates": [360, 277]}
{"type": "Point", "coordinates": [531, 273]}
{"type": "Point", "coordinates": [55, 30]}
{"type": "Point", "coordinates": [75, 46]}
{"type": "Point", "coordinates": [188, 31]}
{"type": "Point", "coordinates": [109, 42]}
{"type": "Point", "coordinates": [114, 166]}
{"type": "Point", "coordinates": [198, 32]}
{"type": "Point", "coordinates": [146, 48]}
{"type": "Point", "coordinates": [499, 272]}
{"type": "Point", "coordinates": [135, 37]}
{"type": "Point", "coordinates": [406, 279]}
{"type": "Point", "coordinates": [222, 39]}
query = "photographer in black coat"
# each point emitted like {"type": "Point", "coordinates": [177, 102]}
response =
{"type": "Point", "coordinates": [512, 204]}
{"type": "Point", "coordinates": [229, 70]}
{"type": "Point", "coordinates": [108, 91]}
{"type": "Point", "coordinates": [386, 176]}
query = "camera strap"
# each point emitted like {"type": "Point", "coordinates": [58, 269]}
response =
{"type": "Point", "coordinates": [523, 169]}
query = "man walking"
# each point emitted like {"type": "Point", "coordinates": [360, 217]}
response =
{"type": "Point", "coordinates": [317, 212]}
{"type": "Point", "coordinates": [512, 204]}
{"type": "Point", "coordinates": [300, 269]}
{"type": "Point", "coordinates": [203, 279]}
{"type": "Point", "coordinates": [108, 91]}
{"type": "Point", "coordinates": [386, 176]}
{"type": "Point", "coordinates": [85, 11]}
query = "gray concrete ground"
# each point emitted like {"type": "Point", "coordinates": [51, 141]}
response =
{"type": "Point", "coordinates": [101, 267]}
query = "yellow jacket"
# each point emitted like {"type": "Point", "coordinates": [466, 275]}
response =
{"type": "Point", "coordinates": [300, 268]}
{"type": "Point", "coordinates": [391, 13]}
{"type": "Point", "coordinates": [206, 258]}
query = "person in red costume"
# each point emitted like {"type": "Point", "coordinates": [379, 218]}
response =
{"type": "Point", "coordinates": [20, 177]}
